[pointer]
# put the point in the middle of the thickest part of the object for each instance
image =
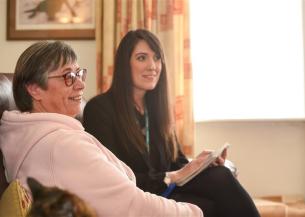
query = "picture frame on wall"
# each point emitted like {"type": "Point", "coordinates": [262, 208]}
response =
{"type": "Point", "coordinates": [50, 19]}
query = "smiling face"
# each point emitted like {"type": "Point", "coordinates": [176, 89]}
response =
{"type": "Point", "coordinates": [146, 67]}
{"type": "Point", "coordinates": [57, 97]}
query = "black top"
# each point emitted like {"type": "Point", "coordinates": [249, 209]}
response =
{"type": "Point", "coordinates": [101, 121]}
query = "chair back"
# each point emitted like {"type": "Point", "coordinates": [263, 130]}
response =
{"type": "Point", "coordinates": [6, 94]}
{"type": "Point", "coordinates": [3, 182]}
{"type": "Point", "coordinates": [6, 103]}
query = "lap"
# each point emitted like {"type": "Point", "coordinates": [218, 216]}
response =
{"type": "Point", "coordinates": [200, 191]}
{"type": "Point", "coordinates": [218, 193]}
{"type": "Point", "coordinates": [206, 205]}
{"type": "Point", "coordinates": [209, 182]}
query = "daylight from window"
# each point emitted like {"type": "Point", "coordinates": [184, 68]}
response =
{"type": "Point", "coordinates": [248, 60]}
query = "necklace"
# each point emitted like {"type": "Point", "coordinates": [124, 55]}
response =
{"type": "Point", "coordinates": [146, 128]}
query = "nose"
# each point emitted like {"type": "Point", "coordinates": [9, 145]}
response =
{"type": "Point", "coordinates": [79, 84]}
{"type": "Point", "coordinates": [152, 64]}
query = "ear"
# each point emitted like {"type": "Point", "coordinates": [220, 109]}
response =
{"type": "Point", "coordinates": [35, 91]}
{"type": "Point", "coordinates": [35, 186]}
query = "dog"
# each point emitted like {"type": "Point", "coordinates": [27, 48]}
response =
{"type": "Point", "coordinates": [55, 202]}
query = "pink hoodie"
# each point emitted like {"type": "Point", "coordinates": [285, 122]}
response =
{"type": "Point", "coordinates": [55, 149]}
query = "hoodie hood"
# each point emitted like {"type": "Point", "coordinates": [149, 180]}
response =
{"type": "Point", "coordinates": [19, 132]}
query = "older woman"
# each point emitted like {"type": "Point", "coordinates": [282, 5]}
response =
{"type": "Point", "coordinates": [44, 141]}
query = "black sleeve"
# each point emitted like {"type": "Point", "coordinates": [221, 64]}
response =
{"type": "Point", "coordinates": [180, 161]}
{"type": "Point", "coordinates": [181, 158]}
{"type": "Point", "coordinates": [151, 181]}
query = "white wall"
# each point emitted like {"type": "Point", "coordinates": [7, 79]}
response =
{"type": "Point", "coordinates": [11, 50]}
{"type": "Point", "coordinates": [270, 155]}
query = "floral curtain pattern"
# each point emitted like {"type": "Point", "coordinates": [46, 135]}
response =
{"type": "Point", "coordinates": [169, 20]}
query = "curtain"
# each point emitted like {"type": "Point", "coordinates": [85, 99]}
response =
{"type": "Point", "coordinates": [169, 20]}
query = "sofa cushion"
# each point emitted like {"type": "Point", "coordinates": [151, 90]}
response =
{"type": "Point", "coordinates": [281, 206]}
{"type": "Point", "coordinates": [15, 201]}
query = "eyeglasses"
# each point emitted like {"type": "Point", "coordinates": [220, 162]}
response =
{"type": "Point", "coordinates": [70, 77]}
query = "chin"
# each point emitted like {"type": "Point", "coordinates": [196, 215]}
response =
{"type": "Point", "coordinates": [75, 113]}
{"type": "Point", "coordinates": [150, 87]}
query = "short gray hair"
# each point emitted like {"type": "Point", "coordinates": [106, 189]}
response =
{"type": "Point", "coordinates": [34, 65]}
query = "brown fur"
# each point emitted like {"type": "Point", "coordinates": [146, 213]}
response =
{"type": "Point", "coordinates": [54, 202]}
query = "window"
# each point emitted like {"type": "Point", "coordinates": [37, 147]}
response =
{"type": "Point", "coordinates": [248, 60]}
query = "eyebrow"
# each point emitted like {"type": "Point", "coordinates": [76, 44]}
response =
{"type": "Point", "coordinates": [141, 53]}
{"type": "Point", "coordinates": [70, 69]}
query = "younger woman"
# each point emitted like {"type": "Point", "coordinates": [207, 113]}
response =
{"type": "Point", "coordinates": [132, 119]}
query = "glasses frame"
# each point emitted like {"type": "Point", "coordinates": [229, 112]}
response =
{"type": "Point", "coordinates": [74, 76]}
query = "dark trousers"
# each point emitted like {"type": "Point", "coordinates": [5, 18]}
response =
{"type": "Point", "coordinates": [218, 193]}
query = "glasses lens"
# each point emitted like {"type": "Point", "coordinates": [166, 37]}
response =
{"type": "Point", "coordinates": [70, 78]}
{"type": "Point", "coordinates": [82, 74]}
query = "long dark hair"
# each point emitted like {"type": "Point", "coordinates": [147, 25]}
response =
{"type": "Point", "coordinates": [157, 100]}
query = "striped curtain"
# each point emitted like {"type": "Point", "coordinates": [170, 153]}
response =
{"type": "Point", "coordinates": [169, 20]}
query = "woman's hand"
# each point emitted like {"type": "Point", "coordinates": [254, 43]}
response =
{"type": "Point", "coordinates": [189, 168]}
{"type": "Point", "coordinates": [194, 165]}
{"type": "Point", "coordinates": [220, 161]}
